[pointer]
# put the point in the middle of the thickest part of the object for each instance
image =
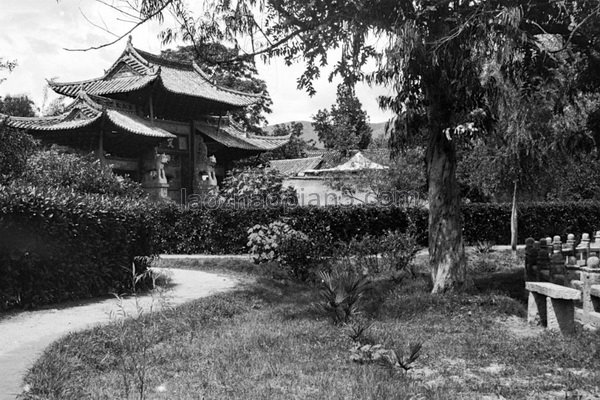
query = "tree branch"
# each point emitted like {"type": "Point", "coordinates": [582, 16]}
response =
{"type": "Point", "coordinates": [134, 27]}
{"type": "Point", "coordinates": [267, 49]}
{"type": "Point", "coordinates": [579, 25]}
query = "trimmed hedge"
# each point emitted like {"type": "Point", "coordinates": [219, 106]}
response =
{"type": "Point", "coordinates": [224, 230]}
{"type": "Point", "coordinates": [491, 222]}
{"type": "Point", "coordinates": [56, 245]}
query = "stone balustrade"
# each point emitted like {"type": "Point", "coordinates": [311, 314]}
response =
{"type": "Point", "coordinates": [571, 264]}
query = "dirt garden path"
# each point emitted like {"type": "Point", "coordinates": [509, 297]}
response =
{"type": "Point", "coordinates": [25, 335]}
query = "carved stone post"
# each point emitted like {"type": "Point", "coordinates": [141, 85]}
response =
{"type": "Point", "coordinates": [154, 179]}
{"type": "Point", "coordinates": [543, 261]}
{"type": "Point", "coordinates": [531, 254]}
{"type": "Point", "coordinates": [583, 250]}
{"type": "Point", "coordinates": [205, 180]}
{"type": "Point", "coordinates": [557, 265]}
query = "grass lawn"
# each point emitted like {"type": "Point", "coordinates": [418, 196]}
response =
{"type": "Point", "coordinates": [266, 341]}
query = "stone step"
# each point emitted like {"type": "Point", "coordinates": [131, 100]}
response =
{"type": "Point", "coordinates": [553, 291]}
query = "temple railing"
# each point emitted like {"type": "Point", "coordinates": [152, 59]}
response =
{"type": "Point", "coordinates": [572, 264]}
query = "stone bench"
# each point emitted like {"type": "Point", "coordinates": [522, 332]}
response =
{"type": "Point", "coordinates": [591, 305]}
{"type": "Point", "coordinates": [552, 305]}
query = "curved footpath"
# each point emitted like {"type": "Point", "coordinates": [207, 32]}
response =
{"type": "Point", "coordinates": [24, 336]}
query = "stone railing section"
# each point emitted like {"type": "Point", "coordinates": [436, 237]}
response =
{"type": "Point", "coordinates": [572, 264]}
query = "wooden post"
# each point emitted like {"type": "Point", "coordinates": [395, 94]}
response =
{"type": "Point", "coordinates": [101, 147]}
{"type": "Point", "coordinates": [151, 106]}
{"type": "Point", "coordinates": [193, 151]}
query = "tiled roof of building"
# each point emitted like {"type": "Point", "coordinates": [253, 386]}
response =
{"type": "Point", "coordinates": [229, 135]}
{"type": "Point", "coordinates": [358, 162]}
{"type": "Point", "coordinates": [136, 69]}
{"type": "Point", "coordinates": [333, 158]}
{"type": "Point", "coordinates": [295, 166]}
{"type": "Point", "coordinates": [332, 161]}
{"type": "Point", "coordinates": [85, 111]}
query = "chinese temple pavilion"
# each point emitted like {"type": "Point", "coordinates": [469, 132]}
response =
{"type": "Point", "coordinates": [161, 122]}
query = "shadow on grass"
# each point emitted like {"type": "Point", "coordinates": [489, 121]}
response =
{"type": "Point", "coordinates": [512, 283]}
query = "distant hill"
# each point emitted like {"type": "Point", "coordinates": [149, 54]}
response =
{"type": "Point", "coordinates": [310, 134]}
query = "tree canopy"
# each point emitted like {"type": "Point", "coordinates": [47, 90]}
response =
{"type": "Point", "coordinates": [17, 106]}
{"type": "Point", "coordinates": [295, 148]}
{"type": "Point", "coordinates": [451, 65]}
{"type": "Point", "coordinates": [346, 126]}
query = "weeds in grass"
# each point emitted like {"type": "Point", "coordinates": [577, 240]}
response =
{"type": "Point", "coordinates": [358, 331]}
{"type": "Point", "coordinates": [340, 295]}
{"type": "Point", "coordinates": [133, 360]}
{"type": "Point", "coordinates": [398, 361]}
{"type": "Point", "coordinates": [390, 359]}
{"type": "Point", "coordinates": [136, 338]}
{"type": "Point", "coordinates": [484, 246]}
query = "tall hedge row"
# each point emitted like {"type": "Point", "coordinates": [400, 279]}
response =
{"type": "Point", "coordinates": [56, 245]}
{"type": "Point", "coordinates": [224, 230]}
{"type": "Point", "coordinates": [492, 221]}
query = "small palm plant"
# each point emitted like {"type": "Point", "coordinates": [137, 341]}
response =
{"type": "Point", "coordinates": [358, 331]}
{"type": "Point", "coordinates": [396, 359]}
{"type": "Point", "coordinates": [340, 295]}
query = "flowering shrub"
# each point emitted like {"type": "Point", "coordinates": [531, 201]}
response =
{"type": "Point", "coordinates": [264, 241]}
{"type": "Point", "coordinates": [279, 242]}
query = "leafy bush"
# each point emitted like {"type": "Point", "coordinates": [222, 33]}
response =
{"type": "Point", "coordinates": [279, 242]}
{"type": "Point", "coordinates": [57, 245]}
{"type": "Point", "coordinates": [300, 255]}
{"type": "Point", "coordinates": [264, 241]}
{"type": "Point", "coordinates": [256, 186]}
{"type": "Point", "coordinates": [392, 253]}
{"type": "Point", "coordinates": [398, 250]}
{"type": "Point", "coordinates": [15, 147]}
{"type": "Point", "coordinates": [81, 174]}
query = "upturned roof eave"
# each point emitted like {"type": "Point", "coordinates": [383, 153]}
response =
{"type": "Point", "coordinates": [154, 68]}
{"type": "Point", "coordinates": [124, 121]}
{"type": "Point", "coordinates": [240, 141]}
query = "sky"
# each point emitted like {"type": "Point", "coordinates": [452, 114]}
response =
{"type": "Point", "coordinates": [36, 33]}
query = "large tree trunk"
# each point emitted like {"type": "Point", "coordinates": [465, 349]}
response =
{"type": "Point", "coordinates": [446, 248]}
